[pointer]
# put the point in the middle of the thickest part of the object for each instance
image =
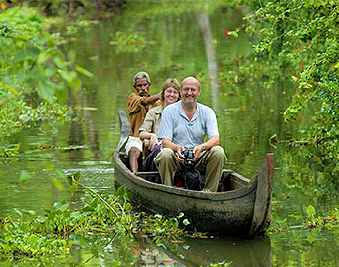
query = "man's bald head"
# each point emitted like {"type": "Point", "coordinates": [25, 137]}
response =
{"type": "Point", "coordinates": [190, 79]}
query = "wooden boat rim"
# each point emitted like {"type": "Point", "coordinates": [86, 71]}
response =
{"type": "Point", "coordinates": [214, 196]}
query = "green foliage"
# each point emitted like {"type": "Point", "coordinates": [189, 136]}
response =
{"type": "Point", "coordinates": [297, 40]}
{"type": "Point", "coordinates": [103, 220]}
{"type": "Point", "coordinates": [164, 230]}
{"type": "Point", "coordinates": [330, 222]}
{"type": "Point", "coordinates": [303, 36]}
{"type": "Point", "coordinates": [31, 64]}
{"type": "Point", "coordinates": [36, 75]}
{"type": "Point", "coordinates": [309, 170]}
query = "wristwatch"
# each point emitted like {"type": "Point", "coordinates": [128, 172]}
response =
{"type": "Point", "coordinates": [203, 147]}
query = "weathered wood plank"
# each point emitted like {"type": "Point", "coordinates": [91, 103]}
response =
{"type": "Point", "coordinates": [262, 206]}
{"type": "Point", "coordinates": [124, 129]}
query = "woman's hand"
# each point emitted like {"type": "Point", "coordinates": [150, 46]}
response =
{"type": "Point", "coordinates": [153, 141]}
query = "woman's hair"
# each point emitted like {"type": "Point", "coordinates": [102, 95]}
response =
{"type": "Point", "coordinates": [170, 82]}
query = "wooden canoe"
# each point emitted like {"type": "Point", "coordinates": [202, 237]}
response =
{"type": "Point", "coordinates": [242, 210]}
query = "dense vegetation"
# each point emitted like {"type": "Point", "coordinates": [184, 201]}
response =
{"type": "Point", "coordinates": [298, 41]}
{"type": "Point", "coordinates": [36, 75]}
{"type": "Point", "coordinates": [29, 237]}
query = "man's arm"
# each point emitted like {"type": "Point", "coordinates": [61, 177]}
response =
{"type": "Point", "coordinates": [213, 141]}
{"type": "Point", "coordinates": [169, 144]}
{"type": "Point", "coordinates": [212, 131]}
{"type": "Point", "coordinates": [150, 100]}
{"type": "Point", "coordinates": [176, 148]}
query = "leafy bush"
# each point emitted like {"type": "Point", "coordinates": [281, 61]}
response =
{"type": "Point", "coordinates": [298, 40]}
{"type": "Point", "coordinates": [36, 75]}
{"type": "Point", "coordinates": [102, 220]}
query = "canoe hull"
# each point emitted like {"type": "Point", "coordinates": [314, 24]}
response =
{"type": "Point", "coordinates": [227, 213]}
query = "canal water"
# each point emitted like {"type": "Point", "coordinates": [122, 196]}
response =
{"type": "Point", "coordinates": [175, 39]}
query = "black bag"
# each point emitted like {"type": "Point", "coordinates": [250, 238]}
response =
{"type": "Point", "coordinates": [193, 180]}
{"type": "Point", "coordinates": [149, 165]}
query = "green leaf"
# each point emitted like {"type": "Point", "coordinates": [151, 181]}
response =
{"type": "Point", "coordinates": [73, 188]}
{"type": "Point", "coordinates": [33, 240]}
{"type": "Point", "coordinates": [94, 203]}
{"type": "Point", "coordinates": [181, 214]}
{"type": "Point", "coordinates": [94, 251]}
{"type": "Point", "coordinates": [161, 245]}
{"type": "Point", "coordinates": [50, 167]}
{"type": "Point", "coordinates": [41, 219]}
{"type": "Point", "coordinates": [59, 62]}
{"type": "Point", "coordinates": [57, 183]}
{"type": "Point", "coordinates": [68, 76]}
{"type": "Point", "coordinates": [75, 83]}
{"type": "Point", "coordinates": [25, 177]}
{"type": "Point", "coordinates": [19, 56]}
{"type": "Point", "coordinates": [43, 57]}
{"type": "Point", "coordinates": [311, 211]}
{"type": "Point", "coordinates": [121, 191]}
{"type": "Point", "coordinates": [31, 212]}
{"type": "Point", "coordinates": [88, 208]}
{"type": "Point", "coordinates": [77, 176]}
{"type": "Point", "coordinates": [21, 76]}
{"type": "Point", "coordinates": [128, 207]}
{"type": "Point", "coordinates": [60, 206]}
{"type": "Point", "coordinates": [83, 71]}
{"type": "Point", "coordinates": [186, 222]}
{"type": "Point", "coordinates": [69, 180]}
{"type": "Point", "coordinates": [336, 65]}
{"type": "Point", "coordinates": [19, 212]}
{"type": "Point", "coordinates": [32, 51]}
{"type": "Point", "coordinates": [71, 56]}
{"type": "Point", "coordinates": [60, 174]}
{"type": "Point", "coordinates": [46, 92]}
{"type": "Point", "coordinates": [62, 95]}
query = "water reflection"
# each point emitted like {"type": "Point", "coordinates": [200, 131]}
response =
{"type": "Point", "coordinates": [195, 252]}
{"type": "Point", "coordinates": [83, 124]}
{"type": "Point", "coordinates": [205, 26]}
{"type": "Point", "coordinates": [239, 252]}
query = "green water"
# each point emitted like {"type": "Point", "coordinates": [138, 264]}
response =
{"type": "Point", "coordinates": [171, 39]}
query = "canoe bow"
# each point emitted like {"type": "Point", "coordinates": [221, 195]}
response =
{"type": "Point", "coordinates": [124, 129]}
{"type": "Point", "coordinates": [262, 205]}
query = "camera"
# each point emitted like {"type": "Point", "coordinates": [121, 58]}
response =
{"type": "Point", "coordinates": [188, 155]}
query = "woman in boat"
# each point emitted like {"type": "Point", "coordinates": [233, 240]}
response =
{"type": "Point", "coordinates": [148, 131]}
